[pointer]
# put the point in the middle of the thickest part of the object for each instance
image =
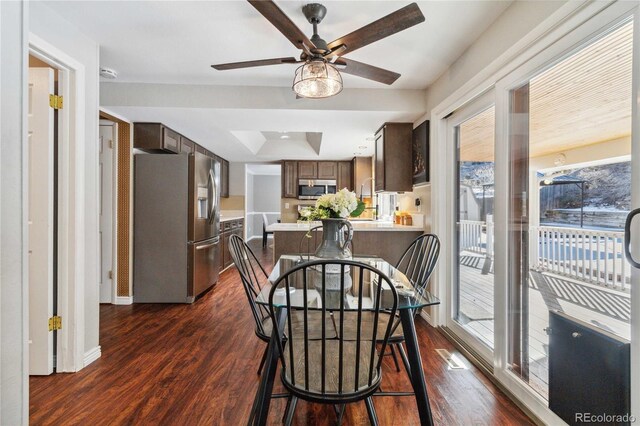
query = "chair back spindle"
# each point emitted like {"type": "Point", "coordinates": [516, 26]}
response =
{"type": "Point", "coordinates": [253, 277]}
{"type": "Point", "coordinates": [343, 295]}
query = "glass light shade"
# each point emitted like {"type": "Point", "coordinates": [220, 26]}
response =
{"type": "Point", "coordinates": [317, 79]}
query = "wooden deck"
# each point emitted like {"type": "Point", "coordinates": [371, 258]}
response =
{"type": "Point", "coordinates": [605, 308]}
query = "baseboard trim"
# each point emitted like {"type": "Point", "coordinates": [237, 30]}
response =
{"type": "Point", "coordinates": [123, 300]}
{"type": "Point", "coordinates": [425, 316]}
{"type": "Point", "coordinates": [91, 355]}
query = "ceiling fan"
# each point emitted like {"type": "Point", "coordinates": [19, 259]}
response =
{"type": "Point", "coordinates": [319, 76]}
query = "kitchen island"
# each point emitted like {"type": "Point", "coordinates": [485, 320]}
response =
{"type": "Point", "coordinates": [383, 239]}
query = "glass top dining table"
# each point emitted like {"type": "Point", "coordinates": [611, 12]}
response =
{"type": "Point", "coordinates": [349, 282]}
{"type": "Point", "coordinates": [408, 296]}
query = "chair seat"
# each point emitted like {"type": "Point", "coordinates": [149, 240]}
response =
{"type": "Point", "coordinates": [332, 354]}
{"type": "Point", "coordinates": [351, 325]}
{"type": "Point", "coordinates": [314, 327]}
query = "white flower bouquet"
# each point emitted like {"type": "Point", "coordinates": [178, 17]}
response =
{"type": "Point", "coordinates": [334, 206]}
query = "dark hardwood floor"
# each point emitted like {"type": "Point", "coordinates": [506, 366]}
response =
{"type": "Point", "coordinates": [196, 364]}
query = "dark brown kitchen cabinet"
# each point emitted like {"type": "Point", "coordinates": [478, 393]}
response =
{"type": "Point", "coordinates": [393, 170]}
{"type": "Point", "coordinates": [187, 146]}
{"type": "Point", "coordinates": [289, 179]}
{"type": "Point", "coordinates": [229, 228]}
{"type": "Point", "coordinates": [307, 169]}
{"type": "Point", "coordinates": [154, 137]}
{"type": "Point", "coordinates": [226, 255]}
{"type": "Point", "coordinates": [327, 170]}
{"type": "Point", "coordinates": [224, 178]}
{"type": "Point", "coordinates": [345, 175]}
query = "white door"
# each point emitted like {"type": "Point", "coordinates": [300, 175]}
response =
{"type": "Point", "coordinates": [107, 142]}
{"type": "Point", "coordinates": [40, 220]}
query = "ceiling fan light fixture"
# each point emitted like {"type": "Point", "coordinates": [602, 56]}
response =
{"type": "Point", "coordinates": [317, 79]}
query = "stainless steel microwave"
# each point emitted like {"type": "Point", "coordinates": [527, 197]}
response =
{"type": "Point", "coordinates": [312, 189]}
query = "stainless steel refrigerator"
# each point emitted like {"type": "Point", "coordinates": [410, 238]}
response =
{"type": "Point", "coordinates": [176, 227]}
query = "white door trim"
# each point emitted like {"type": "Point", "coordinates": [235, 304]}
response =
{"type": "Point", "coordinates": [71, 277]}
{"type": "Point", "coordinates": [635, 200]}
{"type": "Point", "coordinates": [114, 210]}
{"type": "Point", "coordinates": [472, 108]}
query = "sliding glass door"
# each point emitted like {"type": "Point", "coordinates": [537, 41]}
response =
{"type": "Point", "coordinates": [472, 133]}
{"type": "Point", "coordinates": [543, 169]}
{"type": "Point", "coordinates": [570, 190]}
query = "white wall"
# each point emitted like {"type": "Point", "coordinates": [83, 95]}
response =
{"type": "Point", "coordinates": [65, 37]}
{"type": "Point", "coordinates": [236, 178]}
{"type": "Point", "coordinates": [14, 386]}
{"type": "Point", "coordinates": [265, 197]}
{"type": "Point", "coordinates": [515, 22]}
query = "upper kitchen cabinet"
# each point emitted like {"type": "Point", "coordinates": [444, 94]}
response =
{"type": "Point", "coordinates": [155, 137]}
{"type": "Point", "coordinates": [393, 162]}
{"type": "Point", "coordinates": [187, 146]}
{"type": "Point", "coordinates": [224, 177]}
{"type": "Point", "coordinates": [345, 175]}
{"type": "Point", "coordinates": [318, 170]}
{"type": "Point", "coordinates": [307, 170]}
{"type": "Point", "coordinates": [421, 154]}
{"type": "Point", "coordinates": [289, 179]}
{"type": "Point", "coordinates": [327, 170]}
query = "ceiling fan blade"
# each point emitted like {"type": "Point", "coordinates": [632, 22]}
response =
{"type": "Point", "coordinates": [283, 23]}
{"type": "Point", "coordinates": [393, 23]}
{"type": "Point", "coordinates": [258, 63]}
{"type": "Point", "coordinates": [335, 53]}
{"type": "Point", "coordinates": [349, 66]}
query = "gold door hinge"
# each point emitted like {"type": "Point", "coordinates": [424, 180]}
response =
{"type": "Point", "coordinates": [55, 102]}
{"type": "Point", "coordinates": [55, 323]}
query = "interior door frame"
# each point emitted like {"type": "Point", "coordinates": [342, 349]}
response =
{"type": "Point", "coordinates": [472, 108]}
{"type": "Point", "coordinates": [114, 209]}
{"type": "Point", "coordinates": [564, 46]}
{"type": "Point", "coordinates": [71, 128]}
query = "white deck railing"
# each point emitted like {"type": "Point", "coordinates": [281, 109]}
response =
{"type": "Point", "coordinates": [476, 237]}
{"type": "Point", "coordinates": [588, 255]}
{"type": "Point", "coordinates": [592, 256]}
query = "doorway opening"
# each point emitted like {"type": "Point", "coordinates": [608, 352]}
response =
{"type": "Point", "coordinates": [116, 213]}
{"type": "Point", "coordinates": [262, 203]}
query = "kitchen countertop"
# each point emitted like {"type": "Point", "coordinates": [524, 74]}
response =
{"type": "Point", "coordinates": [357, 226]}
{"type": "Point", "coordinates": [228, 218]}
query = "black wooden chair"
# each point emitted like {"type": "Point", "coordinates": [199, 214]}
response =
{"type": "Point", "coordinates": [341, 367]}
{"type": "Point", "coordinates": [417, 262]}
{"type": "Point", "coordinates": [253, 277]}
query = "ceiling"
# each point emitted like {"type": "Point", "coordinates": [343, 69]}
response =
{"type": "Point", "coordinates": [169, 42]}
{"type": "Point", "coordinates": [264, 169]}
{"type": "Point", "coordinates": [582, 100]}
